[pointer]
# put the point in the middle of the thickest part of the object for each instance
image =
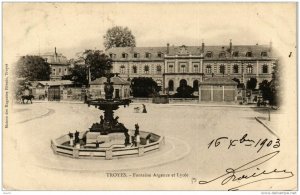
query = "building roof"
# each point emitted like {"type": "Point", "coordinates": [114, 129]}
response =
{"type": "Point", "coordinates": [218, 81]}
{"type": "Point", "coordinates": [55, 58]}
{"type": "Point", "coordinates": [55, 83]}
{"type": "Point", "coordinates": [183, 50]}
{"type": "Point", "coordinates": [116, 81]}
{"type": "Point", "coordinates": [140, 51]}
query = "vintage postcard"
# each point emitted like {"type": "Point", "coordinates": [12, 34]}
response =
{"type": "Point", "coordinates": [149, 96]}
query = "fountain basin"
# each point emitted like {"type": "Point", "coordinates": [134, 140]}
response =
{"type": "Point", "coordinates": [114, 149]}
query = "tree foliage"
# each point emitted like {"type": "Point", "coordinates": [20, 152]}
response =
{"type": "Point", "coordinates": [79, 74]}
{"type": "Point", "coordinates": [143, 87]}
{"type": "Point", "coordinates": [99, 63]}
{"type": "Point", "coordinates": [184, 91]}
{"type": "Point", "coordinates": [251, 83]}
{"type": "Point", "coordinates": [95, 60]}
{"type": "Point", "coordinates": [239, 84]}
{"type": "Point", "coordinates": [119, 36]}
{"type": "Point", "coordinates": [33, 68]}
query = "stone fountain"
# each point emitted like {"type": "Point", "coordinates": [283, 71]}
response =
{"type": "Point", "coordinates": [108, 138]}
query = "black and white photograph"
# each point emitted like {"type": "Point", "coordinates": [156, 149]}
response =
{"type": "Point", "coordinates": [149, 96]}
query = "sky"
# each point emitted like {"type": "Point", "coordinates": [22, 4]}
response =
{"type": "Point", "coordinates": [32, 28]}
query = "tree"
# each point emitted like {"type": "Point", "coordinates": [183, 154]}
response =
{"type": "Point", "coordinates": [251, 83]}
{"type": "Point", "coordinates": [118, 36]}
{"type": "Point", "coordinates": [99, 63]}
{"type": "Point", "coordinates": [239, 84]}
{"type": "Point", "coordinates": [143, 87]}
{"type": "Point", "coordinates": [184, 91]}
{"type": "Point", "coordinates": [265, 89]}
{"type": "Point", "coordinates": [275, 84]}
{"type": "Point", "coordinates": [33, 68]}
{"type": "Point", "coordinates": [78, 75]}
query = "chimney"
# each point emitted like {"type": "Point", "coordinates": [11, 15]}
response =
{"type": "Point", "coordinates": [168, 48]}
{"type": "Point", "coordinates": [202, 48]}
{"type": "Point", "coordinates": [230, 46]}
{"type": "Point", "coordinates": [55, 55]}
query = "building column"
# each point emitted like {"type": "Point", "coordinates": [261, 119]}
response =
{"type": "Point", "coordinates": [212, 93]}
{"type": "Point", "coordinates": [199, 93]}
{"type": "Point", "coordinates": [256, 68]}
{"type": "Point", "coordinates": [190, 66]}
{"type": "Point", "coordinates": [176, 68]}
{"type": "Point", "coordinates": [201, 65]}
{"type": "Point", "coordinates": [223, 93]}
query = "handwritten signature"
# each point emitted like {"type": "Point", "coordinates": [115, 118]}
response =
{"type": "Point", "coordinates": [256, 174]}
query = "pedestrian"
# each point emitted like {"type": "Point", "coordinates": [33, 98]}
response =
{"type": "Point", "coordinates": [137, 140]}
{"type": "Point", "coordinates": [133, 143]}
{"type": "Point", "coordinates": [71, 139]}
{"type": "Point", "coordinates": [144, 109]}
{"type": "Point", "coordinates": [148, 139]}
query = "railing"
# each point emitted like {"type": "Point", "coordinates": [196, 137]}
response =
{"type": "Point", "coordinates": [114, 151]}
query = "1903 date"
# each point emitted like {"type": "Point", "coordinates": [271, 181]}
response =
{"type": "Point", "coordinates": [245, 142]}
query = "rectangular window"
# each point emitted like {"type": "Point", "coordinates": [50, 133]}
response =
{"type": "Point", "coordinates": [53, 71]}
{"type": "Point", "coordinates": [171, 68]}
{"type": "Point", "coordinates": [196, 68]}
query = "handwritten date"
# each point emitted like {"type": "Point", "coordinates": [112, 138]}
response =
{"type": "Point", "coordinates": [245, 141]}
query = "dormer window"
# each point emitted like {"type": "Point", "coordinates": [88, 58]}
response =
{"type": "Point", "coordinates": [135, 55]}
{"type": "Point", "coordinates": [148, 55]}
{"type": "Point", "coordinates": [209, 54]}
{"type": "Point", "coordinates": [222, 55]}
{"type": "Point", "coordinates": [264, 54]}
{"type": "Point", "coordinates": [249, 54]}
{"type": "Point", "coordinates": [235, 54]}
{"type": "Point", "coordinates": [124, 55]}
{"type": "Point", "coordinates": [159, 54]}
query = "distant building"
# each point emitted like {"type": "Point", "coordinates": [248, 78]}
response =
{"type": "Point", "coordinates": [59, 64]}
{"type": "Point", "coordinates": [173, 65]}
{"type": "Point", "coordinates": [121, 88]}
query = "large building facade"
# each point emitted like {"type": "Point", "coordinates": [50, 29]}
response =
{"type": "Point", "coordinates": [59, 64]}
{"type": "Point", "coordinates": [171, 66]}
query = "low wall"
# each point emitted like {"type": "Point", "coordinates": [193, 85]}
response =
{"type": "Point", "coordinates": [183, 100]}
{"type": "Point", "coordinates": [108, 153]}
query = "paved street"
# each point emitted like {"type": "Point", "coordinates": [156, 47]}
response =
{"type": "Point", "coordinates": [188, 130]}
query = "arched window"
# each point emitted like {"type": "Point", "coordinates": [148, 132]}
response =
{"type": "Point", "coordinates": [196, 85]}
{"type": "Point", "coordinates": [208, 69]}
{"type": "Point", "coordinates": [249, 69]}
{"type": "Point", "coordinates": [235, 69]}
{"type": "Point", "coordinates": [182, 82]}
{"type": "Point", "coordinates": [265, 68]}
{"type": "Point", "coordinates": [235, 54]}
{"type": "Point", "coordinates": [264, 54]}
{"type": "Point", "coordinates": [249, 54]}
{"type": "Point", "coordinates": [222, 69]}
{"type": "Point", "coordinates": [171, 85]}
{"type": "Point", "coordinates": [122, 69]}
{"type": "Point", "coordinates": [222, 55]}
{"type": "Point", "coordinates": [146, 69]}
{"type": "Point", "coordinates": [158, 69]}
{"type": "Point", "coordinates": [209, 54]}
{"type": "Point", "coordinates": [135, 55]}
{"type": "Point", "coordinates": [134, 69]}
